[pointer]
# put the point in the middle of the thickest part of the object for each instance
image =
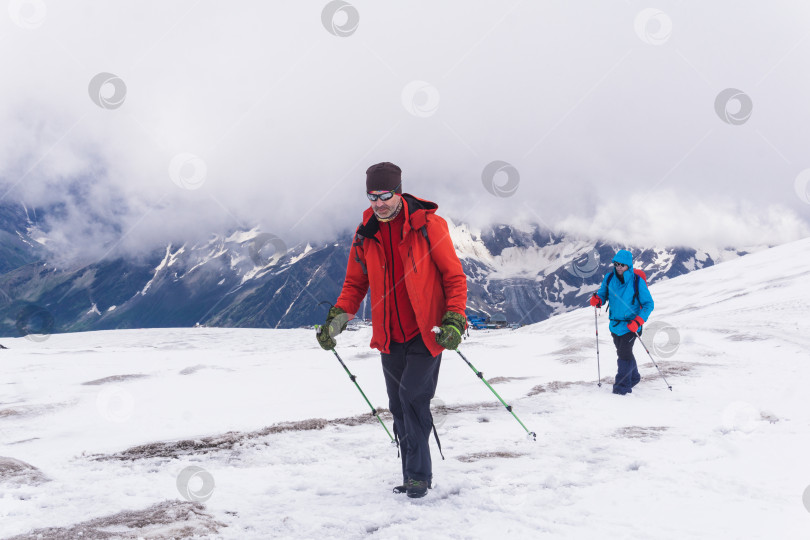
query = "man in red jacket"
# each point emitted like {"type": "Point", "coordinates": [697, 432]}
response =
{"type": "Point", "coordinates": [403, 254]}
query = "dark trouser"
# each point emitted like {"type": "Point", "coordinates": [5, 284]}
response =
{"type": "Point", "coordinates": [627, 376]}
{"type": "Point", "coordinates": [411, 375]}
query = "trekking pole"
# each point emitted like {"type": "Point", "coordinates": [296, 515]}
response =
{"type": "Point", "coordinates": [374, 411]}
{"type": "Point", "coordinates": [653, 361]}
{"type": "Point", "coordinates": [529, 434]}
{"type": "Point", "coordinates": [598, 367]}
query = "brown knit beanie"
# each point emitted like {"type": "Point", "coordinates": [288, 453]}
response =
{"type": "Point", "coordinates": [384, 176]}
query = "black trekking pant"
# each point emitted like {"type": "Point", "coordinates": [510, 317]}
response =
{"type": "Point", "coordinates": [411, 375]}
{"type": "Point", "coordinates": [627, 375]}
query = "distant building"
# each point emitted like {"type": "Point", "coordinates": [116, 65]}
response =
{"type": "Point", "coordinates": [477, 322]}
{"type": "Point", "coordinates": [498, 320]}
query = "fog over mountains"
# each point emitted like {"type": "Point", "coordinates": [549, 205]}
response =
{"type": "Point", "coordinates": [250, 279]}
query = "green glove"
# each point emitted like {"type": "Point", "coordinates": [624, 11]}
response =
{"type": "Point", "coordinates": [336, 321]}
{"type": "Point", "coordinates": [453, 325]}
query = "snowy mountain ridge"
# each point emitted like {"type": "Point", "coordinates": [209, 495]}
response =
{"type": "Point", "coordinates": [250, 278]}
{"type": "Point", "coordinates": [525, 257]}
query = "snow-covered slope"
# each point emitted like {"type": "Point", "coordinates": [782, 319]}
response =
{"type": "Point", "coordinates": [111, 421]}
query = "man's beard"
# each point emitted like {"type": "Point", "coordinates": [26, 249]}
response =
{"type": "Point", "coordinates": [393, 215]}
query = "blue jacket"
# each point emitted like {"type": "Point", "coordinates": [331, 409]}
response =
{"type": "Point", "coordinates": [621, 308]}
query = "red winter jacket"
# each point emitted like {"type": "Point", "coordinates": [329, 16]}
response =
{"type": "Point", "coordinates": [433, 276]}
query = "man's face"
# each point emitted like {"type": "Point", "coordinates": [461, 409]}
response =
{"type": "Point", "coordinates": [620, 268]}
{"type": "Point", "coordinates": [384, 209]}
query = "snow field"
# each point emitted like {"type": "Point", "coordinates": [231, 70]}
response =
{"type": "Point", "coordinates": [721, 456]}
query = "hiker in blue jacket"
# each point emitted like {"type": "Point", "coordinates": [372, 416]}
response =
{"type": "Point", "coordinates": [630, 305]}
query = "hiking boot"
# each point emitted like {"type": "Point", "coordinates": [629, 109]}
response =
{"type": "Point", "coordinates": [416, 488]}
{"type": "Point", "coordinates": [404, 487]}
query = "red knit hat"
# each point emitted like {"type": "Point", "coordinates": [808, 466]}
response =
{"type": "Point", "coordinates": [384, 176]}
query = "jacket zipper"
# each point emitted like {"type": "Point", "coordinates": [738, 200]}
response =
{"type": "Point", "coordinates": [387, 338]}
{"type": "Point", "coordinates": [393, 283]}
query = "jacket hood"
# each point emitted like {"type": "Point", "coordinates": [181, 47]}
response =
{"type": "Point", "coordinates": [415, 209]}
{"type": "Point", "coordinates": [624, 257]}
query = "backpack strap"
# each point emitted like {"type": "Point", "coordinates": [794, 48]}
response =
{"type": "Point", "coordinates": [356, 246]}
{"type": "Point", "coordinates": [423, 228]}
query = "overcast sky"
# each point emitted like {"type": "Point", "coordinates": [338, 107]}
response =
{"type": "Point", "coordinates": [608, 118]}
